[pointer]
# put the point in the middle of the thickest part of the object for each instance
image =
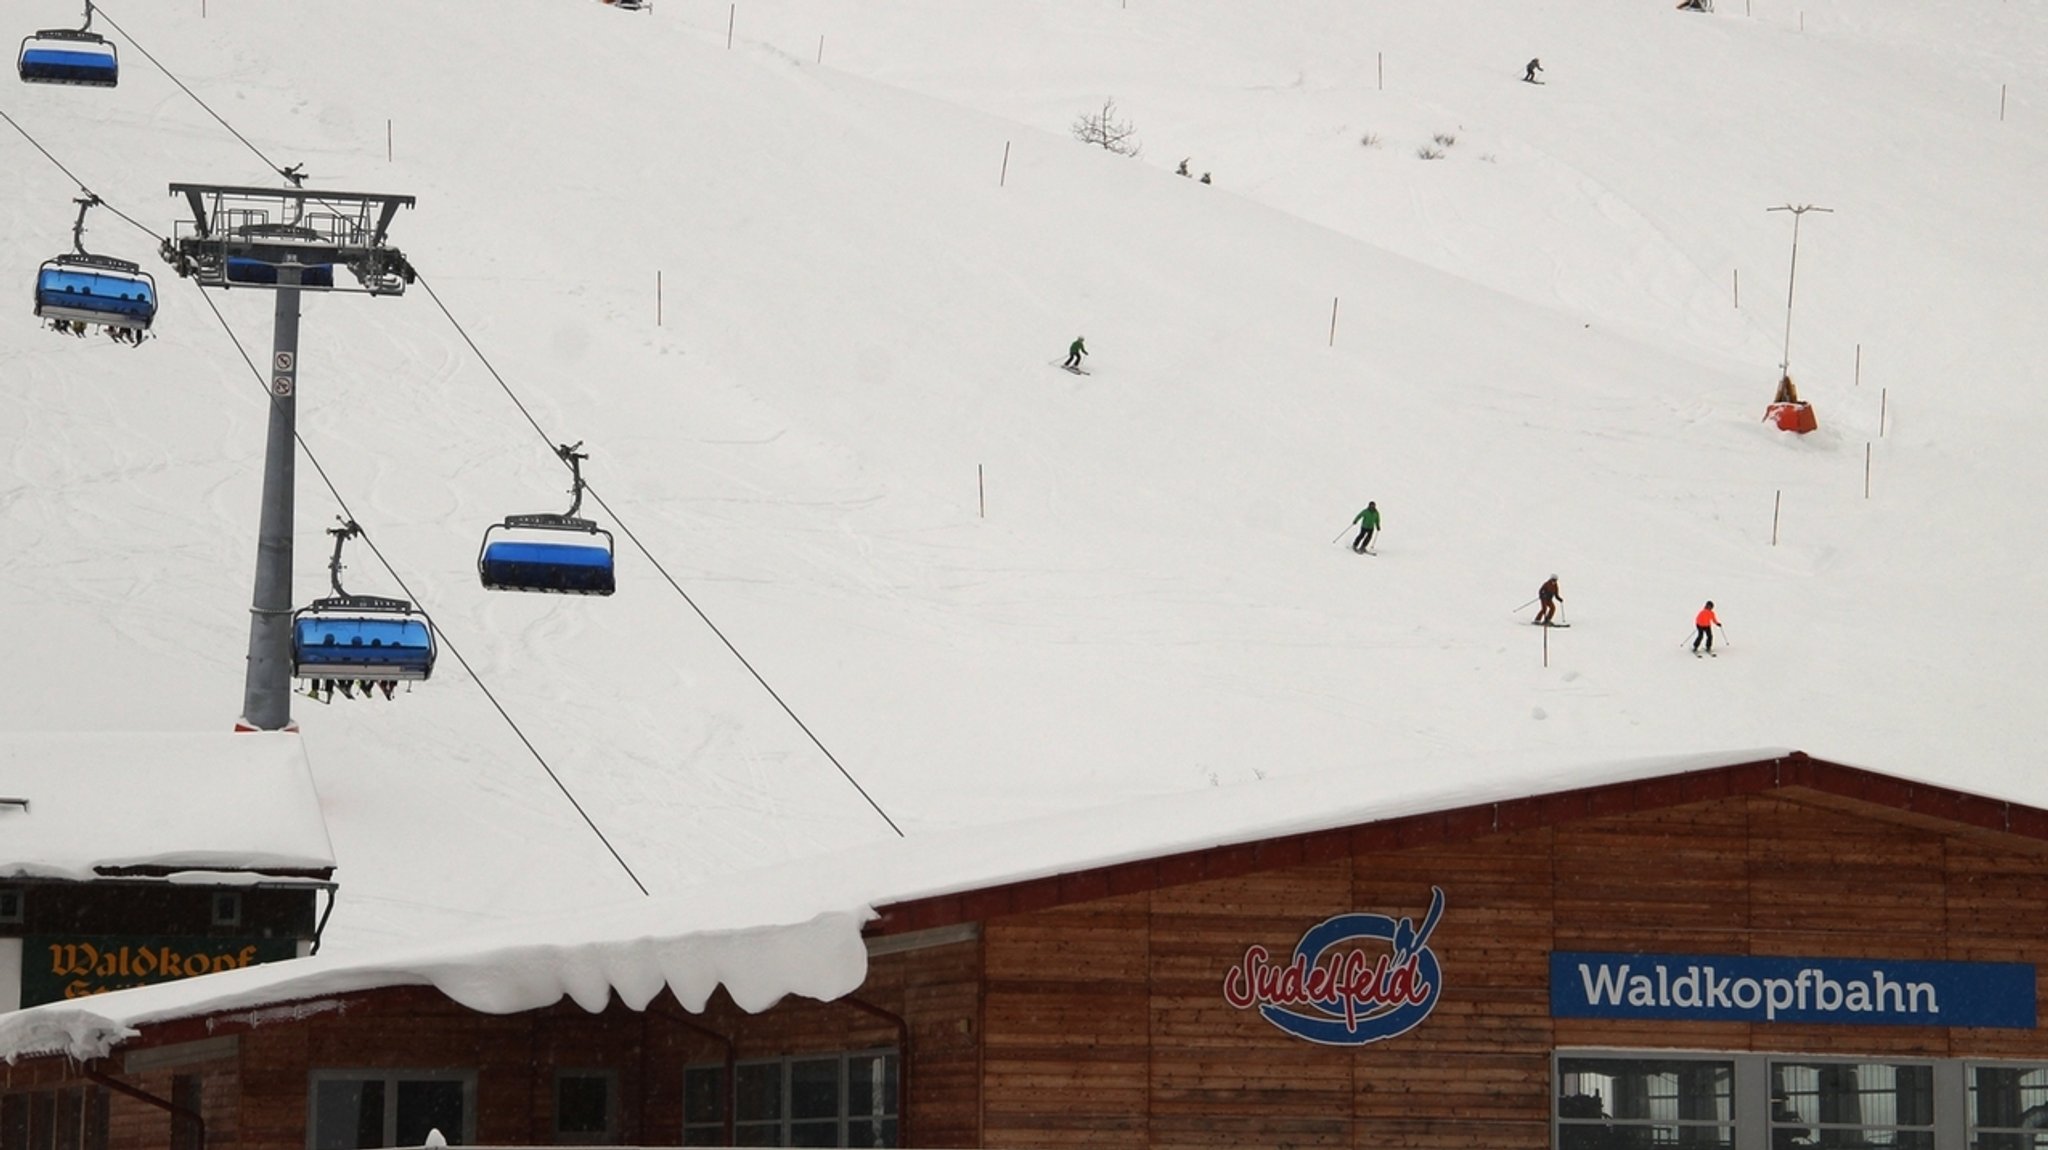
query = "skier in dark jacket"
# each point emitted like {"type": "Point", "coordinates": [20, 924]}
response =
{"type": "Point", "coordinates": [1529, 73]}
{"type": "Point", "coordinates": [1549, 596]}
{"type": "Point", "coordinates": [1075, 351]}
{"type": "Point", "coordinates": [1368, 522]}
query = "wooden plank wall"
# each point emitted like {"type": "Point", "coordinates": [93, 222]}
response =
{"type": "Point", "coordinates": [1106, 1024]}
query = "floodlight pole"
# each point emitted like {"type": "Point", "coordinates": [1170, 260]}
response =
{"type": "Point", "coordinates": [267, 689]}
{"type": "Point", "coordinates": [288, 240]}
{"type": "Point", "coordinates": [1785, 364]}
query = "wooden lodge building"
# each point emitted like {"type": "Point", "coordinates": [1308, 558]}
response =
{"type": "Point", "coordinates": [1750, 955]}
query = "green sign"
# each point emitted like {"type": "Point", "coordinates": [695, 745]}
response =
{"type": "Point", "coordinates": [57, 967]}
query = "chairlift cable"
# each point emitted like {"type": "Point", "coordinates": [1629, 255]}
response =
{"type": "Point", "coordinates": [37, 145]}
{"type": "Point", "coordinates": [439, 631]}
{"type": "Point", "coordinates": [267, 161]}
{"type": "Point", "coordinates": [553, 448]}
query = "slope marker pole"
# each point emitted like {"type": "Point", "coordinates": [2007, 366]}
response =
{"type": "Point", "coordinates": [1333, 321]}
{"type": "Point", "coordinates": [1004, 179]}
{"type": "Point", "coordinates": [1777, 501]}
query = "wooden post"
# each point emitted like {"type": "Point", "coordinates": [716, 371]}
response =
{"type": "Point", "coordinates": [1777, 501]}
{"type": "Point", "coordinates": [731, 11]}
{"type": "Point", "coordinates": [980, 491]}
{"type": "Point", "coordinates": [1333, 321]}
{"type": "Point", "coordinates": [1866, 469]}
{"type": "Point", "coordinates": [1005, 177]}
{"type": "Point", "coordinates": [1882, 395]}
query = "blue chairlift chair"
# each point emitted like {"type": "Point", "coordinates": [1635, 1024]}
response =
{"type": "Point", "coordinates": [555, 554]}
{"type": "Point", "coordinates": [358, 638]}
{"type": "Point", "coordinates": [62, 56]}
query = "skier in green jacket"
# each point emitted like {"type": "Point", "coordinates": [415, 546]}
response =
{"type": "Point", "coordinates": [1368, 522]}
{"type": "Point", "coordinates": [1075, 351]}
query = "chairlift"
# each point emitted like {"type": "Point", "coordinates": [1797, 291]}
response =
{"type": "Point", "coordinates": [82, 288]}
{"type": "Point", "coordinates": [68, 56]}
{"type": "Point", "coordinates": [554, 554]}
{"type": "Point", "coordinates": [360, 638]}
{"type": "Point", "coordinates": [278, 240]}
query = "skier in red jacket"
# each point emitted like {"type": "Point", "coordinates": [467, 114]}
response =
{"type": "Point", "coordinates": [1705, 622]}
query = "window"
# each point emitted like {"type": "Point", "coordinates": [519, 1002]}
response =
{"type": "Point", "coordinates": [185, 1095]}
{"type": "Point", "coordinates": [74, 1118]}
{"type": "Point", "coordinates": [1829, 1103]}
{"type": "Point", "coordinates": [355, 1109]}
{"type": "Point", "coordinates": [2009, 1107]}
{"type": "Point", "coordinates": [1630, 1102]}
{"type": "Point", "coordinates": [1639, 1100]}
{"type": "Point", "coordinates": [10, 905]}
{"type": "Point", "coordinates": [818, 1100]}
{"type": "Point", "coordinates": [584, 1111]}
{"type": "Point", "coordinates": [227, 908]}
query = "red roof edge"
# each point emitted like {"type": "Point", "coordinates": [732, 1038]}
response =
{"type": "Point", "coordinates": [1556, 808]}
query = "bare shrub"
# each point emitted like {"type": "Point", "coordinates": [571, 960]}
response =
{"type": "Point", "coordinates": [1425, 152]}
{"type": "Point", "coordinates": [1108, 130]}
{"type": "Point", "coordinates": [1370, 139]}
{"type": "Point", "coordinates": [1445, 139]}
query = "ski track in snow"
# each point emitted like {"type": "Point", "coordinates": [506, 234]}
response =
{"type": "Point", "coordinates": [1537, 366]}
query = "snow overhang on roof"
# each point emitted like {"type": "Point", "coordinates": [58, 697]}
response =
{"type": "Point", "coordinates": [94, 804]}
{"type": "Point", "coordinates": [760, 941]}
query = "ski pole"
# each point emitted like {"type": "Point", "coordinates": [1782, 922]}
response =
{"type": "Point", "coordinates": [1522, 607]}
{"type": "Point", "coordinates": [1724, 635]}
{"type": "Point", "coordinates": [1342, 534]}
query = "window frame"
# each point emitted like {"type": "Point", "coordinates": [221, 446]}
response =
{"type": "Point", "coordinates": [13, 905]}
{"type": "Point", "coordinates": [1750, 1104]}
{"type": "Point", "coordinates": [783, 1120]}
{"type": "Point", "coordinates": [391, 1077]}
{"type": "Point", "coordinates": [609, 1136]}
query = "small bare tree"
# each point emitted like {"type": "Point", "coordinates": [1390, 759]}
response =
{"type": "Point", "coordinates": [1105, 129]}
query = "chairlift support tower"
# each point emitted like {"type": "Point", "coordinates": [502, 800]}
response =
{"type": "Point", "coordinates": [279, 239]}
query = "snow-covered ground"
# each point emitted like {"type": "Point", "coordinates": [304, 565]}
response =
{"type": "Point", "coordinates": [869, 267]}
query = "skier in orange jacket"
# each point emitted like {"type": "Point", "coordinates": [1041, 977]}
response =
{"type": "Point", "coordinates": [1705, 622]}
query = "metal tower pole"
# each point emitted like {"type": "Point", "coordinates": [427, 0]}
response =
{"type": "Point", "coordinates": [267, 691]}
{"type": "Point", "coordinates": [1791, 278]}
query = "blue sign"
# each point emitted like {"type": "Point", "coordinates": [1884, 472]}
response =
{"type": "Point", "coordinates": [1744, 988]}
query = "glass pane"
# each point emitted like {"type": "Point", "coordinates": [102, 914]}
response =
{"type": "Point", "coordinates": [760, 1092]}
{"type": "Point", "coordinates": [814, 1090]}
{"type": "Point", "coordinates": [814, 1133]}
{"type": "Point", "coordinates": [704, 1094]}
{"type": "Point", "coordinates": [348, 1114]}
{"type": "Point", "coordinates": [1852, 1104]}
{"type": "Point", "coordinates": [871, 1085]}
{"type": "Point", "coordinates": [867, 1133]}
{"type": "Point", "coordinates": [1643, 1136]}
{"type": "Point", "coordinates": [2009, 1098]}
{"type": "Point", "coordinates": [424, 1107]}
{"type": "Point", "coordinates": [769, 1134]}
{"type": "Point", "coordinates": [583, 1104]}
{"type": "Point", "coordinates": [2011, 1141]}
{"type": "Point", "coordinates": [1654, 1090]}
{"type": "Point", "coordinates": [704, 1136]}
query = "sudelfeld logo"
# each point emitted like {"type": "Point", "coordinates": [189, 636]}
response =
{"type": "Point", "coordinates": [1338, 992]}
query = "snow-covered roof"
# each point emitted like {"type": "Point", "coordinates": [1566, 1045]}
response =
{"type": "Point", "coordinates": [794, 928]}
{"type": "Point", "coordinates": [223, 802]}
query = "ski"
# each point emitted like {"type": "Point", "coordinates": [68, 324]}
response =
{"type": "Point", "coordinates": [1564, 626]}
